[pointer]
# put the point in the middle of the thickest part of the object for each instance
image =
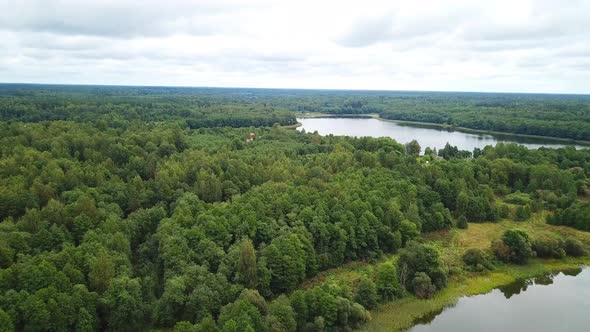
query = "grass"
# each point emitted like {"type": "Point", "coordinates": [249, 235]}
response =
{"type": "Point", "coordinates": [403, 313]}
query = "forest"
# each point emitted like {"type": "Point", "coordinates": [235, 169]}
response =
{"type": "Point", "coordinates": [133, 209]}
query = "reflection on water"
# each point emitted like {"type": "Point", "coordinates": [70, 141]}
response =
{"type": "Point", "coordinates": [552, 302]}
{"type": "Point", "coordinates": [426, 136]}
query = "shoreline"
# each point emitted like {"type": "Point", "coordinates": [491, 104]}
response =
{"type": "Point", "coordinates": [445, 126]}
{"type": "Point", "coordinates": [403, 314]}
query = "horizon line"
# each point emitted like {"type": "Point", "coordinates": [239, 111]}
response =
{"type": "Point", "coordinates": [300, 89]}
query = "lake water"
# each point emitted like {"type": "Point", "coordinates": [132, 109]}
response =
{"type": "Point", "coordinates": [556, 302]}
{"type": "Point", "coordinates": [427, 137]}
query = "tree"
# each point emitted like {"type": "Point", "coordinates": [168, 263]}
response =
{"type": "Point", "coordinates": [366, 293]}
{"type": "Point", "coordinates": [243, 315]}
{"type": "Point", "coordinates": [286, 260]}
{"type": "Point", "coordinates": [423, 287]}
{"type": "Point", "coordinates": [124, 305]}
{"type": "Point", "coordinates": [462, 222]}
{"type": "Point", "coordinates": [101, 273]}
{"type": "Point", "coordinates": [476, 259]}
{"type": "Point", "coordinates": [420, 258]}
{"type": "Point", "coordinates": [387, 284]}
{"type": "Point", "coordinates": [549, 247]}
{"type": "Point", "coordinates": [522, 213]}
{"type": "Point", "coordinates": [6, 324]}
{"type": "Point", "coordinates": [574, 247]}
{"type": "Point", "coordinates": [247, 267]}
{"type": "Point", "coordinates": [413, 148]}
{"type": "Point", "coordinates": [85, 322]}
{"type": "Point", "coordinates": [519, 247]}
{"type": "Point", "coordinates": [281, 315]}
{"type": "Point", "coordinates": [409, 231]}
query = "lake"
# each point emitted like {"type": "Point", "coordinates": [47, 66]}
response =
{"type": "Point", "coordinates": [427, 137]}
{"type": "Point", "coordinates": [554, 302]}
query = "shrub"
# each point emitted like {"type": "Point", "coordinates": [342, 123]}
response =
{"type": "Point", "coordinates": [518, 198]}
{"type": "Point", "coordinates": [366, 293]}
{"type": "Point", "coordinates": [387, 283]}
{"type": "Point", "coordinates": [462, 222]}
{"type": "Point", "coordinates": [549, 247]}
{"type": "Point", "coordinates": [522, 213]}
{"type": "Point", "coordinates": [501, 250]}
{"type": "Point", "coordinates": [574, 247]}
{"type": "Point", "coordinates": [476, 259]}
{"type": "Point", "coordinates": [423, 286]}
{"type": "Point", "coordinates": [516, 247]}
{"type": "Point", "coordinates": [420, 258]}
{"type": "Point", "coordinates": [503, 210]}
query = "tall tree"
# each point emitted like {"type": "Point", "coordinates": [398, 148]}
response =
{"type": "Point", "coordinates": [247, 267]}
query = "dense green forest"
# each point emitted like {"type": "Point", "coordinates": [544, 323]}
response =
{"type": "Point", "coordinates": [564, 116]}
{"type": "Point", "coordinates": [147, 208]}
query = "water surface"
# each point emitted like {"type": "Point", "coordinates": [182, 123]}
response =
{"type": "Point", "coordinates": [554, 302]}
{"type": "Point", "coordinates": [427, 137]}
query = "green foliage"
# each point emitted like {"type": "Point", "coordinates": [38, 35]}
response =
{"type": "Point", "coordinates": [417, 258]}
{"type": "Point", "coordinates": [422, 285]}
{"type": "Point", "coordinates": [574, 247]}
{"type": "Point", "coordinates": [477, 260]}
{"type": "Point", "coordinates": [124, 305]}
{"type": "Point", "coordinates": [241, 314]}
{"type": "Point", "coordinates": [514, 247]}
{"type": "Point", "coordinates": [413, 148]}
{"type": "Point", "coordinates": [387, 283]}
{"type": "Point", "coordinates": [522, 213]}
{"type": "Point", "coordinates": [549, 247]}
{"type": "Point", "coordinates": [140, 208]}
{"type": "Point", "coordinates": [409, 231]}
{"type": "Point", "coordinates": [6, 324]}
{"type": "Point", "coordinates": [366, 293]}
{"type": "Point", "coordinates": [576, 216]}
{"type": "Point", "coordinates": [518, 198]}
{"type": "Point", "coordinates": [102, 272]}
{"type": "Point", "coordinates": [462, 222]}
{"type": "Point", "coordinates": [282, 315]}
{"type": "Point", "coordinates": [286, 260]}
{"type": "Point", "coordinates": [247, 267]}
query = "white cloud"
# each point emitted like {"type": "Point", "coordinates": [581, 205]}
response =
{"type": "Point", "coordinates": [517, 45]}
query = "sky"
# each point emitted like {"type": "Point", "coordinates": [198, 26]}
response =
{"type": "Point", "coordinates": [443, 45]}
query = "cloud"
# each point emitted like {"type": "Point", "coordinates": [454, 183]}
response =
{"type": "Point", "coordinates": [504, 45]}
{"type": "Point", "coordinates": [119, 19]}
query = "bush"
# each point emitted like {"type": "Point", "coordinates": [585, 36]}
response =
{"type": "Point", "coordinates": [420, 258]}
{"type": "Point", "coordinates": [501, 250]}
{"type": "Point", "coordinates": [518, 198]}
{"type": "Point", "coordinates": [366, 293]}
{"type": "Point", "coordinates": [423, 287]}
{"type": "Point", "coordinates": [503, 210]}
{"type": "Point", "coordinates": [462, 222]}
{"type": "Point", "coordinates": [549, 247]}
{"type": "Point", "coordinates": [522, 213]}
{"type": "Point", "coordinates": [387, 283]}
{"type": "Point", "coordinates": [574, 247]}
{"type": "Point", "coordinates": [476, 259]}
{"type": "Point", "coordinates": [514, 247]}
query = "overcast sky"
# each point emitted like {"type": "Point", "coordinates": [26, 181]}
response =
{"type": "Point", "coordinates": [526, 46]}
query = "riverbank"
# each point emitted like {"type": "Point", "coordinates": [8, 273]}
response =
{"type": "Point", "coordinates": [447, 127]}
{"type": "Point", "coordinates": [403, 314]}
{"type": "Point", "coordinates": [293, 126]}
